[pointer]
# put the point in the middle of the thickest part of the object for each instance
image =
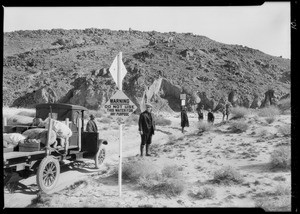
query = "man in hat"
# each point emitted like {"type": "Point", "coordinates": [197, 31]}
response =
{"type": "Point", "coordinates": [91, 126]}
{"type": "Point", "coordinates": [146, 128]}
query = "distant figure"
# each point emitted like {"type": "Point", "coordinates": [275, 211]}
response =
{"type": "Point", "coordinates": [200, 113]}
{"type": "Point", "coordinates": [210, 117]}
{"type": "Point", "coordinates": [228, 107]}
{"type": "Point", "coordinates": [146, 128]}
{"type": "Point", "coordinates": [91, 126]}
{"type": "Point", "coordinates": [184, 119]}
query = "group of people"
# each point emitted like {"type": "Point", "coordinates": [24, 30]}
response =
{"type": "Point", "coordinates": [224, 108]}
{"type": "Point", "coordinates": [146, 123]}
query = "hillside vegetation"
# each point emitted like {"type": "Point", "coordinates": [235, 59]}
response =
{"type": "Point", "coordinates": [72, 66]}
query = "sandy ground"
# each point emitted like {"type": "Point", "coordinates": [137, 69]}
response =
{"type": "Point", "coordinates": [199, 156]}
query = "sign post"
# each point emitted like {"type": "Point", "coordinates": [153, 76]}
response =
{"type": "Point", "coordinates": [182, 98]}
{"type": "Point", "coordinates": [119, 106]}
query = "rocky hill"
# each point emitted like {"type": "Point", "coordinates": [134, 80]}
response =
{"type": "Point", "coordinates": [72, 66]}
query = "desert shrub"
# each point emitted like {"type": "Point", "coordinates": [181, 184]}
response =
{"type": "Point", "coordinates": [204, 126]}
{"type": "Point", "coordinates": [278, 204]}
{"type": "Point", "coordinates": [168, 182]}
{"type": "Point", "coordinates": [270, 111]}
{"type": "Point", "coordinates": [239, 112]}
{"type": "Point", "coordinates": [227, 175]}
{"type": "Point", "coordinates": [160, 121]}
{"type": "Point", "coordinates": [279, 178]}
{"type": "Point", "coordinates": [203, 193]}
{"type": "Point", "coordinates": [133, 119]}
{"type": "Point", "coordinates": [262, 132]}
{"type": "Point", "coordinates": [281, 158]}
{"type": "Point", "coordinates": [270, 119]}
{"type": "Point", "coordinates": [170, 171]}
{"type": "Point", "coordinates": [282, 190]}
{"type": "Point", "coordinates": [171, 140]}
{"type": "Point", "coordinates": [152, 178]}
{"type": "Point", "coordinates": [238, 126]}
{"type": "Point", "coordinates": [284, 105]}
{"type": "Point", "coordinates": [135, 169]}
{"type": "Point", "coordinates": [285, 130]}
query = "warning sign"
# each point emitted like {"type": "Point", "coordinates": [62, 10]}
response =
{"type": "Point", "coordinates": [120, 106]}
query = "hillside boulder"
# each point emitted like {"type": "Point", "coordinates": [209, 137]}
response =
{"type": "Point", "coordinates": [269, 99]}
{"type": "Point", "coordinates": [255, 103]}
{"type": "Point", "coordinates": [233, 98]}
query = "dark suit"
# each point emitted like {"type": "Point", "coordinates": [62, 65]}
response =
{"type": "Point", "coordinates": [91, 126]}
{"type": "Point", "coordinates": [147, 126]}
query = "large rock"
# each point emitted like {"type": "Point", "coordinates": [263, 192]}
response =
{"type": "Point", "coordinates": [269, 99]}
{"type": "Point", "coordinates": [162, 88]}
{"type": "Point", "coordinates": [206, 102]}
{"type": "Point", "coordinates": [220, 104]}
{"type": "Point", "coordinates": [233, 98]}
{"type": "Point", "coordinates": [255, 103]}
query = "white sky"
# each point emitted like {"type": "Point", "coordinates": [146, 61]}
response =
{"type": "Point", "coordinates": [266, 27]}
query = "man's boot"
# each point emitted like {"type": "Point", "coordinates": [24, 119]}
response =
{"type": "Point", "coordinates": [147, 150]}
{"type": "Point", "coordinates": [142, 148]}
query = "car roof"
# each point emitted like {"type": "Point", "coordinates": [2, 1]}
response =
{"type": "Point", "coordinates": [61, 105]}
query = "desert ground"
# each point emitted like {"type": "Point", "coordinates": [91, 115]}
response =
{"type": "Point", "coordinates": [196, 157]}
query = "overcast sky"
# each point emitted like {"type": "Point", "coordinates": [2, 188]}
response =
{"type": "Point", "coordinates": [266, 27]}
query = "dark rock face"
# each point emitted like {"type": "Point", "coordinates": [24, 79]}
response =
{"type": "Point", "coordinates": [269, 99]}
{"type": "Point", "coordinates": [255, 103]}
{"type": "Point", "coordinates": [233, 98]}
{"type": "Point", "coordinates": [206, 102]}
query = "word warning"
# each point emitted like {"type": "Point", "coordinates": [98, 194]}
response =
{"type": "Point", "coordinates": [119, 105]}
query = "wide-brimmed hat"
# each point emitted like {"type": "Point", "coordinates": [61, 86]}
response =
{"type": "Point", "coordinates": [148, 105]}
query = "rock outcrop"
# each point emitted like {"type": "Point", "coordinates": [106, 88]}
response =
{"type": "Point", "coordinates": [269, 99]}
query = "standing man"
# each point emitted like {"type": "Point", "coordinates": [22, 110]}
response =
{"type": "Point", "coordinates": [146, 128]}
{"type": "Point", "coordinates": [91, 126]}
{"type": "Point", "coordinates": [200, 113]}
{"type": "Point", "coordinates": [184, 119]}
{"type": "Point", "coordinates": [228, 107]}
{"type": "Point", "coordinates": [210, 117]}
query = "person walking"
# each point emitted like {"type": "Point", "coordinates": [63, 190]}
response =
{"type": "Point", "coordinates": [228, 107]}
{"type": "Point", "coordinates": [184, 119]}
{"type": "Point", "coordinates": [146, 128]}
{"type": "Point", "coordinates": [91, 126]}
{"type": "Point", "coordinates": [200, 113]}
{"type": "Point", "coordinates": [210, 117]}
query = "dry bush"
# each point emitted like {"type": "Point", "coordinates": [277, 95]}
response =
{"type": "Point", "coordinates": [270, 120]}
{"type": "Point", "coordinates": [270, 111]}
{"type": "Point", "coordinates": [152, 178]}
{"type": "Point", "coordinates": [262, 133]}
{"type": "Point", "coordinates": [204, 126]}
{"type": "Point", "coordinates": [133, 170]}
{"type": "Point", "coordinates": [133, 119]}
{"type": "Point", "coordinates": [282, 190]}
{"type": "Point", "coordinates": [278, 204]}
{"type": "Point", "coordinates": [203, 193]}
{"type": "Point", "coordinates": [281, 158]}
{"type": "Point", "coordinates": [168, 182]}
{"type": "Point", "coordinates": [285, 130]}
{"type": "Point", "coordinates": [171, 140]}
{"type": "Point", "coordinates": [239, 112]}
{"type": "Point", "coordinates": [160, 121]}
{"type": "Point", "coordinates": [227, 175]}
{"type": "Point", "coordinates": [238, 126]}
{"type": "Point", "coordinates": [284, 105]}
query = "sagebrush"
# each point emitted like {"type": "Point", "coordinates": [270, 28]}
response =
{"type": "Point", "coordinates": [281, 158]}
{"type": "Point", "coordinates": [204, 126]}
{"type": "Point", "coordinates": [238, 126]}
{"type": "Point", "coordinates": [270, 111]}
{"type": "Point", "coordinates": [239, 112]}
{"type": "Point", "coordinates": [227, 175]}
{"type": "Point", "coordinates": [203, 193]}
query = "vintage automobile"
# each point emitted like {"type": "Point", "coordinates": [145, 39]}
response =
{"type": "Point", "coordinates": [46, 161]}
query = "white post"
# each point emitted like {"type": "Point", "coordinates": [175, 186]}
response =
{"type": "Point", "coordinates": [67, 139]}
{"type": "Point", "coordinates": [120, 126]}
{"type": "Point", "coordinates": [4, 121]}
{"type": "Point", "coordinates": [79, 134]}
